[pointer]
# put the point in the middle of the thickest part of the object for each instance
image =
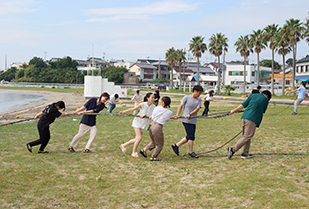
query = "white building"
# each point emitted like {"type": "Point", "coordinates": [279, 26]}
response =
{"type": "Point", "coordinates": [234, 73]}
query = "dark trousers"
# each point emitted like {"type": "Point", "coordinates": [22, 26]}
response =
{"type": "Point", "coordinates": [206, 104]}
{"type": "Point", "coordinates": [43, 140]}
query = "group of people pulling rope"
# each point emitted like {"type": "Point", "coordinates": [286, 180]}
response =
{"type": "Point", "coordinates": [153, 118]}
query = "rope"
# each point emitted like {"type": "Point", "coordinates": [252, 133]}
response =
{"type": "Point", "coordinates": [264, 154]}
{"type": "Point", "coordinates": [27, 119]}
{"type": "Point", "coordinates": [203, 153]}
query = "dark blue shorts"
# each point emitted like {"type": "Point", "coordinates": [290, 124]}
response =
{"type": "Point", "coordinates": [190, 130]}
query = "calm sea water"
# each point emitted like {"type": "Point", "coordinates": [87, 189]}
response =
{"type": "Point", "coordinates": [9, 100]}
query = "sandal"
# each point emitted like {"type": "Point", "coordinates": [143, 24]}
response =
{"type": "Point", "coordinates": [71, 149]}
{"type": "Point", "coordinates": [155, 159]}
{"type": "Point", "coordinates": [134, 154]}
{"type": "Point", "coordinates": [192, 154]}
{"type": "Point", "coordinates": [143, 153]}
{"type": "Point", "coordinates": [87, 151]}
{"type": "Point", "coordinates": [29, 147]}
{"type": "Point", "coordinates": [123, 150]}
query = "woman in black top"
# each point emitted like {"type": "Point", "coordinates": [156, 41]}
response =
{"type": "Point", "coordinates": [157, 97]}
{"type": "Point", "coordinates": [47, 117]}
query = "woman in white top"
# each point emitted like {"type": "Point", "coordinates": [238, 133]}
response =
{"type": "Point", "coordinates": [160, 116]}
{"type": "Point", "coordinates": [139, 123]}
{"type": "Point", "coordinates": [209, 97]}
{"type": "Point", "coordinates": [138, 98]}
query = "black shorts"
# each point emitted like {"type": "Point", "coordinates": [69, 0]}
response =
{"type": "Point", "coordinates": [190, 130]}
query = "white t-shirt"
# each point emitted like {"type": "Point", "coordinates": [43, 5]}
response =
{"type": "Point", "coordinates": [143, 122]}
{"type": "Point", "coordinates": [137, 97]}
{"type": "Point", "coordinates": [208, 97]}
{"type": "Point", "coordinates": [161, 115]}
{"type": "Point", "coordinates": [113, 100]}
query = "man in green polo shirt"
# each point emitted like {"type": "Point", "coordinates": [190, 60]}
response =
{"type": "Point", "coordinates": [256, 106]}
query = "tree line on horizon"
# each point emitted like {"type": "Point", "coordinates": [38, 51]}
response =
{"type": "Point", "coordinates": [61, 71]}
{"type": "Point", "coordinates": [281, 40]}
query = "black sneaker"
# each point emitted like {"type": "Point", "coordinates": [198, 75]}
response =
{"type": "Point", "coordinates": [230, 152]}
{"type": "Point", "coordinates": [176, 149]}
{"type": "Point", "coordinates": [246, 156]}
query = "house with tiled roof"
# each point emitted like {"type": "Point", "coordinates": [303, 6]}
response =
{"type": "Point", "coordinates": [302, 69]}
{"type": "Point", "coordinates": [146, 72]}
{"type": "Point", "coordinates": [19, 65]}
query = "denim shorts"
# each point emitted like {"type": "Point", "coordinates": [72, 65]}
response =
{"type": "Point", "coordinates": [190, 130]}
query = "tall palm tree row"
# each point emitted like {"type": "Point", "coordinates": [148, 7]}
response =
{"type": "Point", "coordinates": [217, 45]}
{"type": "Point", "coordinates": [306, 31]}
{"type": "Point", "coordinates": [258, 42]}
{"type": "Point", "coordinates": [294, 29]}
{"type": "Point", "coordinates": [282, 45]}
{"type": "Point", "coordinates": [243, 47]}
{"type": "Point", "coordinates": [171, 59]}
{"type": "Point", "coordinates": [270, 32]}
{"type": "Point", "coordinates": [197, 47]}
{"type": "Point", "coordinates": [181, 59]}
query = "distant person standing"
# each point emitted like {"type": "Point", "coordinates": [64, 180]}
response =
{"type": "Point", "coordinates": [300, 98]}
{"type": "Point", "coordinates": [112, 102]}
{"type": "Point", "coordinates": [256, 105]}
{"type": "Point", "coordinates": [138, 98]}
{"type": "Point", "coordinates": [255, 91]}
{"type": "Point", "coordinates": [47, 117]}
{"type": "Point", "coordinates": [157, 98]}
{"type": "Point", "coordinates": [191, 104]}
{"type": "Point", "coordinates": [209, 97]}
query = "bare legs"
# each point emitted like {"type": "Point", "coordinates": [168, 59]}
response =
{"type": "Point", "coordinates": [135, 141]}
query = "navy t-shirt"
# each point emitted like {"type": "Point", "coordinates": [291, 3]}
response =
{"type": "Point", "coordinates": [90, 120]}
{"type": "Point", "coordinates": [50, 113]}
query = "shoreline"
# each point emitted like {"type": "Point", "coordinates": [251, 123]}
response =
{"type": "Point", "coordinates": [72, 101]}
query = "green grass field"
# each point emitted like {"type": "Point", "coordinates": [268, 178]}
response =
{"type": "Point", "coordinates": [109, 179]}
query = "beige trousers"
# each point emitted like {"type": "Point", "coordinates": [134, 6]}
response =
{"type": "Point", "coordinates": [248, 130]}
{"type": "Point", "coordinates": [157, 139]}
{"type": "Point", "coordinates": [83, 129]}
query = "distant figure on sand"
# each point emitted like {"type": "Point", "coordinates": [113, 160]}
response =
{"type": "Point", "coordinates": [47, 117]}
{"type": "Point", "coordinates": [139, 123]}
{"type": "Point", "coordinates": [138, 98]}
{"type": "Point", "coordinates": [255, 91]}
{"type": "Point", "coordinates": [209, 97]}
{"type": "Point", "coordinates": [88, 122]}
{"type": "Point", "coordinates": [300, 98]}
{"type": "Point", "coordinates": [112, 102]}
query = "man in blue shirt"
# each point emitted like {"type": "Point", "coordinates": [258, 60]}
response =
{"type": "Point", "coordinates": [256, 106]}
{"type": "Point", "coordinates": [300, 98]}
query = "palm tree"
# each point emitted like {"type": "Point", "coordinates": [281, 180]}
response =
{"type": "Point", "coordinates": [283, 47]}
{"type": "Point", "coordinates": [243, 47]}
{"type": "Point", "coordinates": [171, 59]}
{"type": "Point", "coordinates": [218, 44]}
{"type": "Point", "coordinates": [294, 29]}
{"type": "Point", "coordinates": [181, 55]}
{"type": "Point", "coordinates": [306, 31]}
{"type": "Point", "coordinates": [270, 36]}
{"type": "Point", "coordinates": [197, 47]}
{"type": "Point", "coordinates": [258, 42]}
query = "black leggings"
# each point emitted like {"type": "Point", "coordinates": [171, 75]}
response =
{"type": "Point", "coordinates": [206, 104]}
{"type": "Point", "coordinates": [43, 140]}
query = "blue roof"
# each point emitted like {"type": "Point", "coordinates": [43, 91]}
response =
{"type": "Point", "coordinates": [305, 77]}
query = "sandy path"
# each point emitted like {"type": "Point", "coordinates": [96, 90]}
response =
{"type": "Point", "coordinates": [72, 101]}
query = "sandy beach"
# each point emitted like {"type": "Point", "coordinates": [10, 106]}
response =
{"type": "Point", "coordinates": [72, 101]}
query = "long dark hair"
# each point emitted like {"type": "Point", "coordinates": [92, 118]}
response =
{"type": "Point", "coordinates": [102, 95]}
{"type": "Point", "coordinates": [147, 96]}
{"type": "Point", "coordinates": [211, 92]}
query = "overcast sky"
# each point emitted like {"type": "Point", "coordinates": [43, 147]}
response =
{"type": "Point", "coordinates": [129, 30]}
